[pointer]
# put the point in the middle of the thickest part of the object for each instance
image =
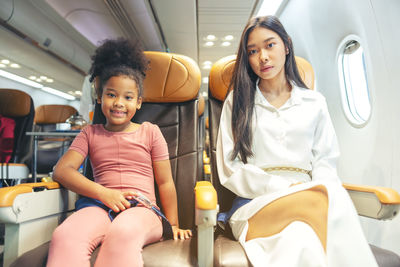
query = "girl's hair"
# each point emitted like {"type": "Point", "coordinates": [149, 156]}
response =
{"type": "Point", "coordinates": [244, 81]}
{"type": "Point", "coordinates": [115, 58]}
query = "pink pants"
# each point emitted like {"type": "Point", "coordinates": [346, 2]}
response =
{"type": "Point", "coordinates": [122, 239]}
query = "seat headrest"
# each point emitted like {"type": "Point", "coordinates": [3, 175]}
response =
{"type": "Point", "coordinates": [14, 103]}
{"type": "Point", "coordinates": [221, 74]}
{"type": "Point", "coordinates": [49, 114]}
{"type": "Point", "coordinates": [306, 71]}
{"type": "Point", "coordinates": [171, 78]}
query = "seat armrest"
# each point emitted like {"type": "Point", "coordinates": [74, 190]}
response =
{"type": "Point", "coordinates": [30, 213]}
{"type": "Point", "coordinates": [206, 209]}
{"type": "Point", "coordinates": [8, 194]}
{"type": "Point", "coordinates": [205, 196]}
{"type": "Point", "coordinates": [376, 202]}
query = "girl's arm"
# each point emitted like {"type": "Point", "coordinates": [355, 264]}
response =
{"type": "Point", "coordinates": [66, 173]}
{"type": "Point", "coordinates": [166, 188]}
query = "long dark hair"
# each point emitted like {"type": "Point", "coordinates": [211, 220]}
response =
{"type": "Point", "coordinates": [244, 81]}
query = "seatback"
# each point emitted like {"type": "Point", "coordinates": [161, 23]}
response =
{"type": "Point", "coordinates": [47, 116]}
{"type": "Point", "coordinates": [170, 100]}
{"type": "Point", "coordinates": [219, 80]}
{"type": "Point", "coordinates": [50, 149]}
{"type": "Point", "coordinates": [18, 105]}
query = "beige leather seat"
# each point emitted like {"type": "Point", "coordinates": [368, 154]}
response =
{"type": "Point", "coordinates": [228, 252]}
{"type": "Point", "coordinates": [50, 149]}
{"type": "Point", "coordinates": [170, 100]}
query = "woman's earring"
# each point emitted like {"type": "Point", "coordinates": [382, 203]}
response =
{"type": "Point", "coordinates": [287, 51]}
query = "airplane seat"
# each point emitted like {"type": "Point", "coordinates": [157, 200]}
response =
{"type": "Point", "coordinates": [202, 136]}
{"type": "Point", "coordinates": [170, 100]}
{"type": "Point", "coordinates": [17, 107]}
{"type": "Point", "coordinates": [207, 141]}
{"type": "Point", "coordinates": [51, 149]}
{"type": "Point", "coordinates": [206, 151]}
{"type": "Point", "coordinates": [229, 252]}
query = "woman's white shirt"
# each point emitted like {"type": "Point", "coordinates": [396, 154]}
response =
{"type": "Point", "coordinates": [298, 134]}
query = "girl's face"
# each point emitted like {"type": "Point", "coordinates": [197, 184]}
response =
{"type": "Point", "coordinates": [267, 54]}
{"type": "Point", "coordinates": [119, 102]}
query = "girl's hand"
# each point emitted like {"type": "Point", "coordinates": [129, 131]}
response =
{"type": "Point", "coordinates": [115, 199]}
{"type": "Point", "coordinates": [180, 233]}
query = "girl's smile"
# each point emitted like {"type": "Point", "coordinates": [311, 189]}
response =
{"type": "Point", "coordinates": [118, 113]}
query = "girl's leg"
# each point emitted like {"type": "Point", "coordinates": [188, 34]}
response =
{"type": "Point", "coordinates": [75, 239]}
{"type": "Point", "coordinates": [128, 233]}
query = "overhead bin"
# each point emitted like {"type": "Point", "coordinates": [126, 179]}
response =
{"type": "Point", "coordinates": [46, 33]}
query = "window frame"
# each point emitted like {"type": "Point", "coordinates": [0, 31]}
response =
{"type": "Point", "coordinates": [346, 95]}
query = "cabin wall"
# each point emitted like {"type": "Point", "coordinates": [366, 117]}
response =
{"type": "Point", "coordinates": [370, 154]}
{"type": "Point", "coordinates": [39, 97]}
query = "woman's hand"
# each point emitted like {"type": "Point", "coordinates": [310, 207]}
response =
{"type": "Point", "coordinates": [180, 233]}
{"type": "Point", "coordinates": [115, 199]}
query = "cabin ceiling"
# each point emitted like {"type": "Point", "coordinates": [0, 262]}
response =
{"type": "Point", "coordinates": [177, 26]}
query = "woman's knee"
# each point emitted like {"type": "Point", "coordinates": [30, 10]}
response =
{"type": "Point", "coordinates": [311, 207]}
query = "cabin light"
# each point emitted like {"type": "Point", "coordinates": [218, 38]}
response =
{"type": "Point", "coordinates": [49, 80]}
{"type": "Point", "coordinates": [32, 77]}
{"type": "Point", "coordinates": [205, 94]}
{"type": "Point", "coordinates": [39, 80]}
{"type": "Point", "coordinates": [15, 66]}
{"type": "Point", "coordinates": [43, 77]}
{"type": "Point", "coordinates": [228, 37]}
{"type": "Point", "coordinates": [78, 93]}
{"type": "Point", "coordinates": [5, 61]}
{"type": "Point", "coordinates": [209, 44]}
{"type": "Point", "coordinates": [205, 80]}
{"type": "Point", "coordinates": [211, 37]}
{"type": "Point", "coordinates": [269, 7]}
{"type": "Point", "coordinates": [207, 65]}
{"type": "Point", "coordinates": [2, 65]}
{"type": "Point", "coordinates": [22, 80]}
{"type": "Point", "coordinates": [58, 93]}
{"type": "Point", "coordinates": [226, 44]}
{"type": "Point", "coordinates": [19, 79]}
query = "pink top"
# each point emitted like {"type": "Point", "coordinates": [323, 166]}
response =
{"type": "Point", "coordinates": [123, 160]}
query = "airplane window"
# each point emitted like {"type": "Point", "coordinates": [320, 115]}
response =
{"type": "Point", "coordinates": [354, 84]}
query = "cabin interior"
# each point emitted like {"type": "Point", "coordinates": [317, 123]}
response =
{"type": "Point", "coordinates": [46, 45]}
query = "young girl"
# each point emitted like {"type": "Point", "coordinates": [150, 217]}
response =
{"type": "Point", "coordinates": [277, 151]}
{"type": "Point", "coordinates": [124, 155]}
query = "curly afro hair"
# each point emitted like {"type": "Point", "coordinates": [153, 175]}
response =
{"type": "Point", "coordinates": [118, 57]}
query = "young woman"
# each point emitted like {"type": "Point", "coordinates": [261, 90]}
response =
{"type": "Point", "coordinates": [126, 158]}
{"type": "Point", "coordinates": [277, 151]}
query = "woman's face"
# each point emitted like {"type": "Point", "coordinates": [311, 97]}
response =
{"type": "Point", "coordinates": [267, 54]}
